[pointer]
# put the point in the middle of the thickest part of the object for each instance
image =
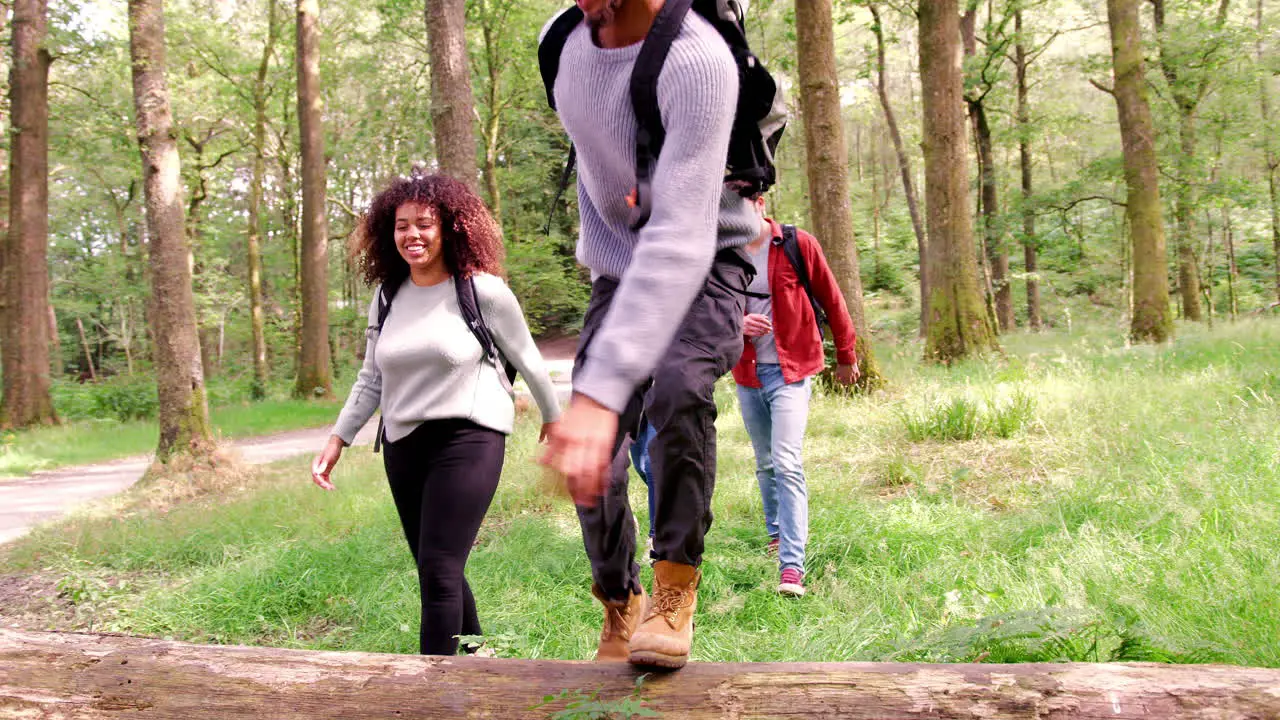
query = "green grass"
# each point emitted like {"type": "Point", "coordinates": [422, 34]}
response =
{"type": "Point", "coordinates": [1130, 512]}
{"type": "Point", "coordinates": [95, 440]}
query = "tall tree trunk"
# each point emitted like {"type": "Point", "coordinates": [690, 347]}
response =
{"type": "Point", "coordinates": [1232, 270]}
{"type": "Point", "coordinates": [184, 412]}
{"type": "Point", "coordinates": [1024, 163]}
{"type": "Point", "coordinates": [88, 355]}
{"type": "Point", "coordinates": [958, 325]}
{"type": "Point", "coordinates": [493, 117]}
{"type": "Point", "coordinates": [451, 102]}
{"type": "Point", "coordinates": [993, 236]}
{"type": "Point", "coordinates": [27, 399]}
{"type": "Point", "coordinates": [904, 165]}
{"type": "Point", "coordinates": [1269, 147]}
{"type": "Point", "coordinates": [1183, 208]}
{"type": "Point", "coordinates": [1151, 320]}
{"type": "Point", "coordinates": [314, 375]}
{"type": "Point", "coordinates": [1186, 94]}
{"type": "Point", "coordinates": [1206, 288]}
{"type": "Point", "coordinates": [261, 371]}
{"type": "Point", "coordinates": [828, 170]}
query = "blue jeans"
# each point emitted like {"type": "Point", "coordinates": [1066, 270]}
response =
{"type": "Point", "coordinates": [775, 416]}
{"type": "Point", "coordinates": [640, 461]}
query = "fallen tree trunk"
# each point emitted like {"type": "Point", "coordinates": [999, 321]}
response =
{"type": "Point", "coordinates": [53, 675]}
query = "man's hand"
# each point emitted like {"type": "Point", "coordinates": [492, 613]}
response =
{"type": "Point", "coordinates": [756, 325]}
{"type": "Point", "coordinates": [579, 448]}
{"type": "Point", "coordinates": [847, 374]}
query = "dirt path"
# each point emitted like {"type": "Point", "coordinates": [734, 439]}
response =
{"type": "Point", "coordinates": [26, 502]}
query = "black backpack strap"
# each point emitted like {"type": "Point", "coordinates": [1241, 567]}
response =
{"type": "Point", "coordinates": [644, 101]}
{"type": "Point", "coordinates": [470, 306]}
{"type": "Point", "coordinates": [552, 45]}
{"type": "Point", "coordinates": [549, 50]}
{"type": "Point", "coordinates": [564, 185]}
{"type": "Point", "coordinates": [791, 248]}
{"type": "Point", "coordinates": [385, 296]}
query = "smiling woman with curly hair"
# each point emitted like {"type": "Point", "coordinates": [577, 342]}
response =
{"type": "Point", "coordinates": [425, 242]}
{"type": "Point", "coordinates": [471, 240]}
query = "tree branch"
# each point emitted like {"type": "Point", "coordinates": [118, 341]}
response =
{"type": "Point", "coordinates": [1072, 204]}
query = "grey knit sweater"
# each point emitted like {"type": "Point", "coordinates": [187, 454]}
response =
{"type": "Point", "coordinates": [661, 268]}
{"type": "Point", "coordinates": [427, 365]}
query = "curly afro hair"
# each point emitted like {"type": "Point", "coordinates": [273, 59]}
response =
{"type": "Point", "coordinates": [470, 237]}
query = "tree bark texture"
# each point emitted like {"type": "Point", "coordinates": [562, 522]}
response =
{"type": "Point", "coordinates": [253, 243]}
{"type": "Point", "coordinates": [827, 167]}
{"type": "Point", "coordinates": [91, 677]}
{"type": "Point", "coordinates": [992, 229]}
{"type": "Point", "coordinates": [451, 101]}
{"type": "Point", "coordinates": [1184, 204]}
{"type": "Point", "coordinates": [1269, 146]}
{"type": "Point", "coordinates": [315, 377]}
{"type": "Point", "coordinates": [27, 337]}
{"type": "Point", "coordinates": [1024, 163]}
{"type": "Point", "coordinates": [88, 354]}
{"type": "Point", "coordinates": [904, 165]}
{"type": "Point", "coordinates": [958, 324]}
{"type": "Point", "coordinates": [490, 27]}
{"type": "Point", "coordinates": [1151, 320]}
{"type": "Point", "coordinates": [184, 412]}
{"type": "Point", "coordinates": [1186, 93]}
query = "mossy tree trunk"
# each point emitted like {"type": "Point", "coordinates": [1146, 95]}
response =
{"type": "Point", "coordinates": [452, 113]}
{"type": "Point", "coordinates": [1151, 320]}
{"type": "Point", "coordinates": [958, 324]}
{"type": "Point", "coordinates": [184, 412]}
{"type": "Point", "coordinates": [1021, 62]}
{"type": "Point", "coordinates": [315, 376]}
{"type": "Point", "coordinates": [253, 249]}
{"type": "Point", "coordinates": [827, 160]}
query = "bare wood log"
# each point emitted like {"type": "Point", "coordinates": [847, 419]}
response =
{"type": "Point", "coordinates": [53, 675]}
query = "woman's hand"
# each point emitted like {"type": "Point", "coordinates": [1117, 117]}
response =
{"type": "Point", "coordinates": [324, 462]}
{"type": "Point", "coordinates": [547, 429]}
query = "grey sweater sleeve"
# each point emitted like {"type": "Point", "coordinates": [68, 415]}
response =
{"type": "Point", "coordinates": [697, 96]}
{"type": "Point", "coordinates": [366, 393]}
{"type": "Point", "coordinates": [505, 319]}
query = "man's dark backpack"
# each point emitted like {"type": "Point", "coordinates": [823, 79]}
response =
{"type": "Point", "coordinates": [466, 290]}
{"type": "Point", "coordinates": [758, 122]}
{"type": "Point", "coordinates": [791, 248]}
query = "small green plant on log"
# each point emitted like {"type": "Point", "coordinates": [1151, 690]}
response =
{"type": "Point", "coordinates": [588, 706]}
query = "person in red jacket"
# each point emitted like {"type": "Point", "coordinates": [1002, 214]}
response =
{"type": "Point", "coordinates": [782, 354]}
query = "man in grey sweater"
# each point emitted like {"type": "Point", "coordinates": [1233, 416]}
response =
{"type": "Point", "coordinates": [665, 317]}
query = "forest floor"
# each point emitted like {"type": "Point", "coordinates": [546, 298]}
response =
{"type": "Point", "coordinates": [1075, 498]}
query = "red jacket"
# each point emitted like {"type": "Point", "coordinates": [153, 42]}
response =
{"type": "Point", "coordinates": [795, 330]}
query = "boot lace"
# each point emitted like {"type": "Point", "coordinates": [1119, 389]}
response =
{"type": "Point", "coordinates": [666, 602]}
{"type": "Point", "coordinates": [615, 622]}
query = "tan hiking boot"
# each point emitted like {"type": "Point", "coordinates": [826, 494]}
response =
{"type": "Point", "coordinates": [620, 621]}
{"type": "Point", "coordinates": [666, 634]}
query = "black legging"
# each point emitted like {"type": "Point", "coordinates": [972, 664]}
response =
{"type": "Point", "coordinates": [443, 476]}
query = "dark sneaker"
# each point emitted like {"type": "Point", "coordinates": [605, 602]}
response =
{"type": "Point", "coordinates": [792, 582]}
{"type": "Point", "coordinates": [772, 547]}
